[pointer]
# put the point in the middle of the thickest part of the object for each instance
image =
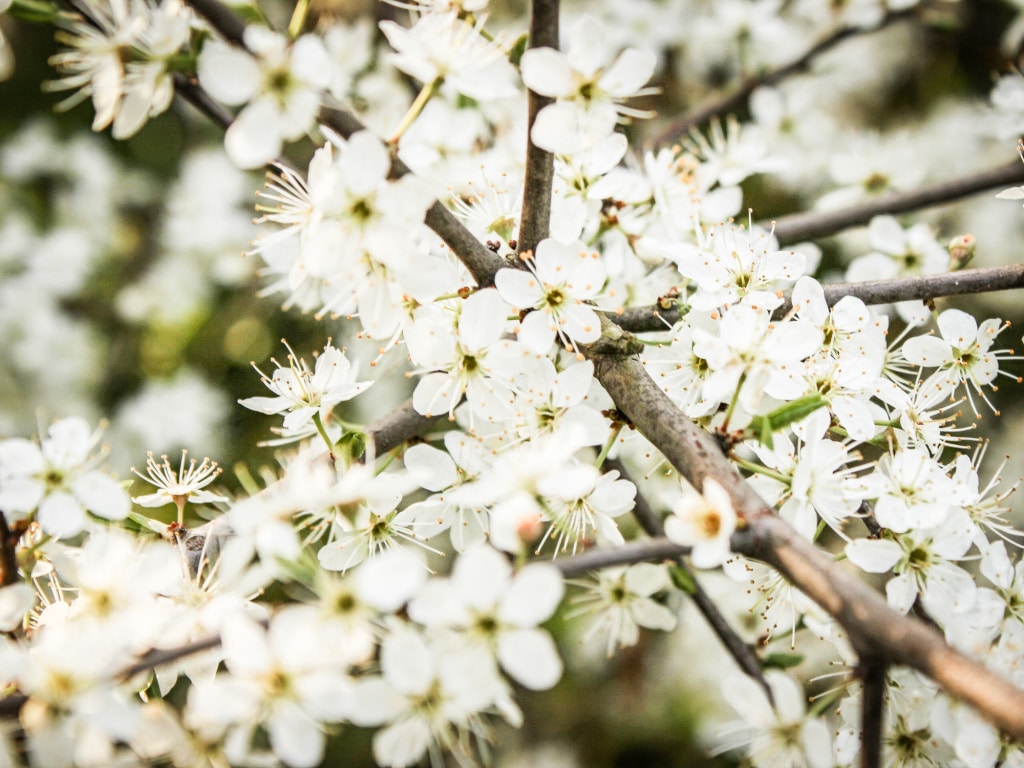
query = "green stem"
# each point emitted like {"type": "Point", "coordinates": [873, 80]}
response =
{"type": "Point", "coordinates": [608, 445]}
{"type": "Point", "coordinates": [417, 106]}
{"type": "Point", "coordinates": [761, 470]}
{"type": "Point", "coordinates": [323, 433]}
{"type": "Point", "coordinates": [298, 20]}
{"type": "Point", "coordinates": [735, 399]}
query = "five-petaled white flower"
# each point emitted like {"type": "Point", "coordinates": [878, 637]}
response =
{"type": "Point", "coordinates": [307, 394]}
{"type": "Point", "coordinates": [179, 486]}
{"type": "Point", "coordinates": [705, 522]}
{"type": "Point", "coordinates": [557, 283]}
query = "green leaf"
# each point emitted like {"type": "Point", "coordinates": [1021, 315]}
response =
{"type": "Point", "coordinates": [34, 11]}
{"type": "Point", "coordinates": [682, 579]}
{"type": "Point", "coordinates": [351, 445]}
{"type": "Point", "coordinates": [515, 53]}
{"type": "Point", "coordinates": [781, 660]}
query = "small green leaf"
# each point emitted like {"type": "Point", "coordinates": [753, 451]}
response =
{"type": "Point", "coordinates": [781, 660]}
{"type": "Point", "coordinates": [682, 579]}
{"type": "Point", "coordinates": [351, 445]}
{"type": "Point", "coordinates": [515, 53]}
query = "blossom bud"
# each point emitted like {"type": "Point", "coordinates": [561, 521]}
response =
{"type": "Point", "coordinates": [961, 251]}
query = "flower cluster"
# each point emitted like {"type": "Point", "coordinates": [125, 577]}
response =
{"type": "Point", "coordinates": [406, 573]}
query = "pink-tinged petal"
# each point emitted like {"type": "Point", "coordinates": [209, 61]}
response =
{"type": "Point", "coordinates": [518, 287]}
{"type": "Point", "coordinates": [628, 74]}
{"type": "Point", "coordinates": [530, 658]}
{"type": "Point", "coordinates": [547, 72]}
{"type": "Point", "coordinates": [534, 595]}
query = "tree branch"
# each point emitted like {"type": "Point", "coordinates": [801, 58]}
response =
{"type": "Point", "coordinates": [540, 164]}
{"type": "Point", "coordinates": [736, 98]}
{"type": "Point", "coordinates": [9, 572]}
{"type": "Point", "coordinates": [402, 424]}
{"type": "Point", "coordinates": [983, 280]}
{"type": "Point", "coordinates": [874, 629]}
{"type": "Point", "coordinates": [872, 714]}
{"type": "Point", "coordinates": [814, 224]}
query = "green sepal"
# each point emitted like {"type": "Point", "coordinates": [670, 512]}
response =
{"type": "Point", "coordinates": [351, 445]}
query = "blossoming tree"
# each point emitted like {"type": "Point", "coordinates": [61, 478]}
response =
{"type": "Point", "coordinates": [606, 400]}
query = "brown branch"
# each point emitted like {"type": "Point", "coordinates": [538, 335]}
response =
{"type": "Point", "coordinates": [399, 426]}
{"type": "Point", "coordinates": [814, 224]}
{"type": "Point", "coordinates": [608, 557]}
{"type": "Point", "coordinates": [540, 164]}
{"type": "Point", "coordinates": [735, 98]}
{"type": "Point", "coordinates": [223, 19]}
{"type": "Point", "coordinates": [874, 629]}
{"type": "Point", "coordinates": [9, 572]}
{"type": "Point", "coordinates": [983, 280]}
{"type": "Point", "coordinates": [872, 713]}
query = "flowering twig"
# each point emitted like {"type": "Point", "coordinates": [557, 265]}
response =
{"type": "Point", "coordinates": [632, 552]}
{"type": "Point", "coordinates": [874, 629]}
{"type": "Point", "coordinates": [540, 164]}
{"type": "Point", "coordinates": [814, 224]}
{"type": "Point", "coordinates": [872, 673]}
{"type": "Point", "coordinates": [735, 98]}
{"type": "Point", "coordinates": [654, 317]}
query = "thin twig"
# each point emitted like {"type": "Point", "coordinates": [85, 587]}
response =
{"type": "Point", "coordinates": [540, 164]}
{"type": "Point", "coordinates": [222, 18]}
{"type": "Point", "coordinates": [811, 225]}
{"type": "Point", "coordinates": [159, 657]}
{"type": "Point", "coordinates": [741, 652]}
{"type": "Point", "coordinates": [627, 554]}
{"type": "Point", "coordinates": [9, 573]}
{"type": "Point", "coordinates": [872, 672]}
{"type": "Point", "coordinates": [736, 97]}
{"type": "Point", "coordinates": [983, 280]}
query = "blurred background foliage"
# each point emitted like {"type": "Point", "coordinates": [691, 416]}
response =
{"type": "Point", "coordinates": [124, 294]}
